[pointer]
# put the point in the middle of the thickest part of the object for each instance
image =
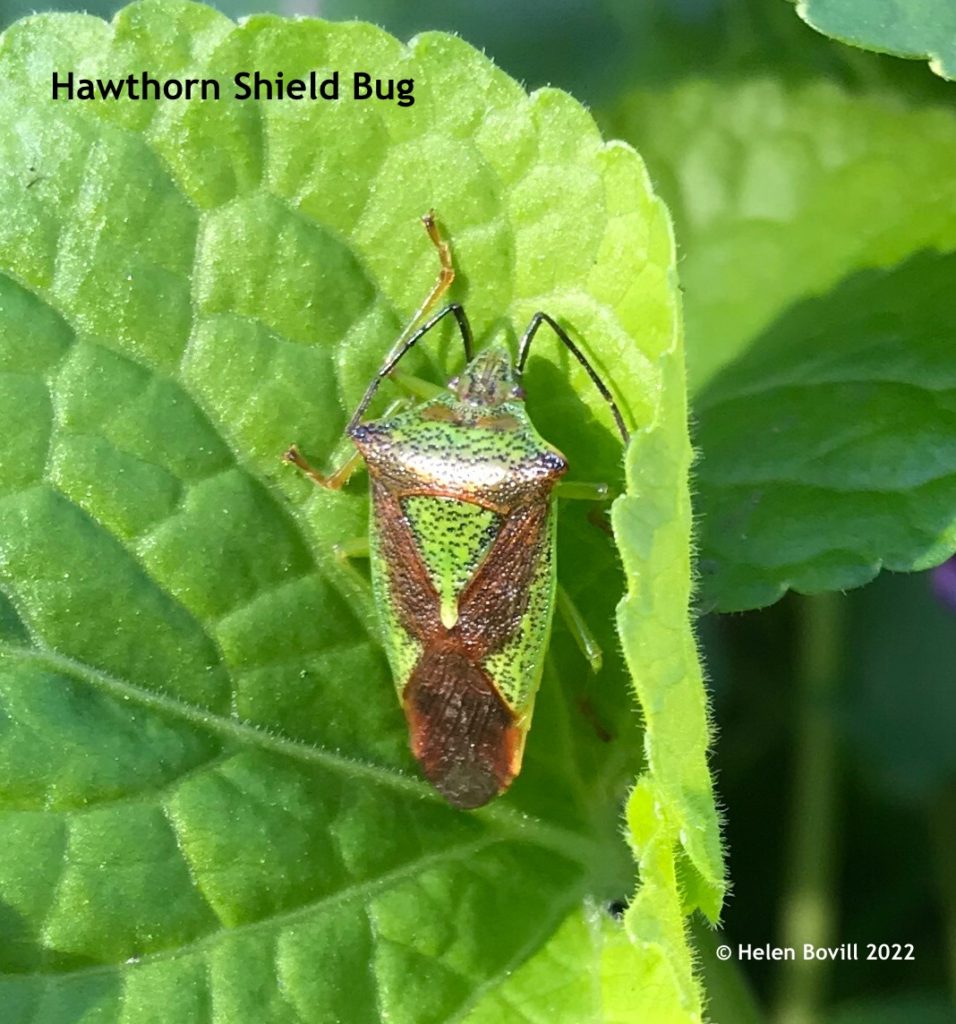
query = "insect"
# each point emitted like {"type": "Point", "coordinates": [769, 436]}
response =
{"type": "Point", "coordinates": [462, 549]}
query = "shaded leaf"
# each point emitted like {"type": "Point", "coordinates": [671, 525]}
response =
{"type": "Point", "coordinates": [14, 9]}
{"type": "Point", "coordinates": [779, 192]}
{"type": "Point", "coordinates": [922, 29]}
{"type": "Point", "coordinates": [829, 448]}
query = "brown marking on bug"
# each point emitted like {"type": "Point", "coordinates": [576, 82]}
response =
{"type": "Point", "coordinates": [503, 422]}
{"type": "Point", "coordinates": [461, 730]}
{"type": "Point", "coordinates": [439, 413]}
{"type": "Point", "coordinates": [492, 604]}
{"type": "Point", "coordinates": [413, 593]}
{"type": "Point", "coordinates": [446, 414]}
{"type": "Point", "coordinates": [462, 733]}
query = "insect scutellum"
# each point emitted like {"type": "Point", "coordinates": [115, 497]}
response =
{"type": "Point", "coordinates": [462, 547]}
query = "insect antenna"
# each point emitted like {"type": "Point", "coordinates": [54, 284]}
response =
{"type": "Point", "coordinates": [536, 321]}
{"type": "Point", "coordinates": [395, 357]}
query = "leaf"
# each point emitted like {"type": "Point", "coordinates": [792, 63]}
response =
{"type": "Point", "coordinates": [729, 996]}
{"type": "Point", "coordinates": [921, 29]}
{"type": "Point", "coordinates": [779, 192]}
{"type": "Point", "coordinates": [674, 798]}
{"type": "Point", "coordinates": [671, 811]}
{"type": "Point", "coordinates": [209, 808]}
{"type": "Point", "coordinates": [830, 447]}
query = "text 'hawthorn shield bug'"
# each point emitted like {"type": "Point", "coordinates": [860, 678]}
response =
{"type": "Point", "coordinates": [462, 548]}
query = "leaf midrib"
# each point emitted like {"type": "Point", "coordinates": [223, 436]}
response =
{"type": "Point", "coordinates": [512, 823]}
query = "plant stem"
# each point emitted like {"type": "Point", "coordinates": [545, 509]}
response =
{"type": "Point", "coordinates": [943, 824]}
{"type": "Point", "coordinates": [807, 908]}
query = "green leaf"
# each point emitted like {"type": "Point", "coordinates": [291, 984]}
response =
{"type": "Point", "coordinates": [671, 811]}
{"type": "Point", "coordinates": [209, 807]}
{"type": "Point", "coordinates": [729, 997]}
{"type": "Point", "coordinates": [921, 29]}
{"type": "Point", "coordinates": [830, 447]}
{"type": "Point", "coordinates": [779, 192]}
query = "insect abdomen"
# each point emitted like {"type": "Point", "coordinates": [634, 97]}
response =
{"type": "Point", "coordinates": [461, 731]}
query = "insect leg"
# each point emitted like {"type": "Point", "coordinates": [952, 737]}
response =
{"type": "Point", "coordinates": [407, 339]}
{"type": "Point", "coordinates": [417, 387]}
{"type": "Point", "coordinates": [582, 490]}
{"type": "Point", "coordinates": [357, 547]}
{"type": "Point", "coordinates": [337, 479]}
{"type": "Point", "coordinates": [446, 275]}
{"type": "Point", "coordinates": [346, 554]}
{"type": "Point", "coordinates": [578, 628]}
{"type": "Point", "coordinates": [446, 272]}
{"type": "Point", "coordinates": [396, 355]}
{"type": "Point", "coordinates": [525, 345]}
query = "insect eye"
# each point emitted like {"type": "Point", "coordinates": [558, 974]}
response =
{"type": "Point", "coordinates": [517, 392]}
{"type": "Point", "coordinates": [453, 383]}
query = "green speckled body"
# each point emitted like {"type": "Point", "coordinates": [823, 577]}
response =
{"type": "Point", "coordinates": [463, 567]}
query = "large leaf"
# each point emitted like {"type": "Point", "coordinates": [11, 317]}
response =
{"type": "Point", "coordinates": [780, 191]}
{"type": "Point", "coordinates": [908, 28]}
{"type": "Point", "coordinates": [209, 808]}
{"type": "Point", "coordinates": [829, 449]}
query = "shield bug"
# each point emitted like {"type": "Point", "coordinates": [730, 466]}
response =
{"type": "Point", "coordinates": [462, 548]}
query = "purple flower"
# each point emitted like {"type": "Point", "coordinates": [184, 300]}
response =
{"type": "Point", "coordinates": [944, 583]}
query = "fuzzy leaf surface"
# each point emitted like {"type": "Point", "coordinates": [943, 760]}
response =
{"type": "Point", "coordinates": [209, 811]}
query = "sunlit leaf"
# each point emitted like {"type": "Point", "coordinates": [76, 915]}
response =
{"type": "Point", "coordinates": [209, 808]}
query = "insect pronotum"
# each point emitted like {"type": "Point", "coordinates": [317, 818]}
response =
{"type": "Point", "coordinates": [462, 548]}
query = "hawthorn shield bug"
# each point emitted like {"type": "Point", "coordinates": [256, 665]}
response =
{"type": "Point", "coordinates": [462, 547]}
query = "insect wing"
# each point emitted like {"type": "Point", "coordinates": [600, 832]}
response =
{"type": "Point", "coordinates": [466, 680]}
